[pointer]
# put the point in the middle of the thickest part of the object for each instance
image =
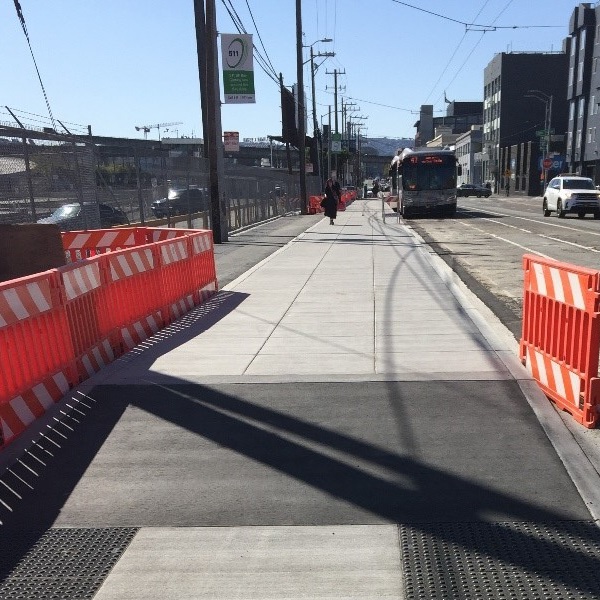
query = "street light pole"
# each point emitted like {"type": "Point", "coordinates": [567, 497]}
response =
{"type": "Point", "coordinates": [547, 100]}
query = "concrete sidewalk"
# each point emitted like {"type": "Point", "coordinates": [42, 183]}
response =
{"type": "Point", "coordinates": [344, 420]}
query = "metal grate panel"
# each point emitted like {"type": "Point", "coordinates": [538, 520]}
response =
{"type": "Point", "coordinates": [501, 561]}
{"type": "Point", "coordinates": [64, 564]}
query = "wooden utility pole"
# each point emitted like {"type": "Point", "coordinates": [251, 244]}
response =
{"type": "Point", "coordinates": [301, 123]}
{"type": "Point", "coordinates": [207, 38]}
{"type": "Point", "coordinates": [200, 19]}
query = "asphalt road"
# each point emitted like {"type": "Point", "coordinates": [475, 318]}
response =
{"type": "Point", "coordinates": [487, 239]}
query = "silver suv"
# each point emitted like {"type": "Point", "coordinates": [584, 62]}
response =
{"type": "Point", "coordinates": [572, 194]}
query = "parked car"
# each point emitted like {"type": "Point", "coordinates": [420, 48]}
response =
{"type": "Point", "coordinates": [180, 202]}
{"type": "Point", "coordinates": [571, 194]}
{"type": "Point", "coordinates": [473, 189]}
{"type": "Point", "coordinates": [77, 216]}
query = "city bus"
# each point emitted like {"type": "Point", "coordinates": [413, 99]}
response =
{"type": "Point", "coordinates": [427, 182]}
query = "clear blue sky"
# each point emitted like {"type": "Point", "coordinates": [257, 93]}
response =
{"type": "Point", "coordinates": [115, 64]}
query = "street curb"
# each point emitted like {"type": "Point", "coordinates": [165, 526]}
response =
{"type": "Point", "coordinates": [582, 472]}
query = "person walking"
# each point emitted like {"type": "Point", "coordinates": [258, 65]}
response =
{"type": "Point", "coordinates": [508, 187]}
{"type": "Point", "coordinates": [330, 202]}
{"type": "Point", "coordinates": [375, 189]}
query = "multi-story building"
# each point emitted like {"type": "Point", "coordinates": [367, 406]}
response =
{"type": "Point", "coordinates": [460, 116]}
{"type": "Point", "coordinates": [524, 96]}
{"type": "Point", "coordinates": [583, 92]}
{"type": "Point", "coordinates": [468, 154]}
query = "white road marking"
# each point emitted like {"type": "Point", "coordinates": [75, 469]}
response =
{"type": "Point", "coordinates": [505, 240]}
{"type": "Point", "coordinates": [545, 220]}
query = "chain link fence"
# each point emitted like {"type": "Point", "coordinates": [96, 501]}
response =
{"type": "Point", "coordinates": [81, 182]}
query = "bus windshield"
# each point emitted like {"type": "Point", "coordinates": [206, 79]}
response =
{"type": "Point", "coordinates": [429, 173]}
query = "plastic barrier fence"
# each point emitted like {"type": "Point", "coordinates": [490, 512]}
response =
{"type": "Point", "coordinates": [59, 327]}
{"type": "Point", "coordinates": [561, 334]}
{"type": "Point", "coordinates": [314, 205]}
{"type": "Point", "coordinates": [314, 202]}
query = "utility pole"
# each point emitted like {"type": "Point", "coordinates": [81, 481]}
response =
{"type": "Point", "coordinates": [329, 147]}
{"type": "Point", "coordinates": [214, 135]}
{"type": "Point", "coordinates": [335, 102]}
{"type": "Point", "coordinates": [301, 123]}
{"type": "Point", "coordinates": [200, 21]}
{"type": "Point", "coordinates": [313, 70]}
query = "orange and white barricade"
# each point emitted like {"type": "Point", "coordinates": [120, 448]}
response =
{"type": "Point", "coordinates": [560, 342]}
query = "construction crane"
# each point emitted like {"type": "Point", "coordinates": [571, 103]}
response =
{"type": "Point", "coordinates": [146, 128]}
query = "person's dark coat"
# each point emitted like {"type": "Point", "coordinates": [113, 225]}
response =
{"type": "Point", "coordinates": [330, 202]}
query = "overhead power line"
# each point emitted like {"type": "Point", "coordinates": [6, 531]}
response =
{"type": "Point", "coordinates": [474, 47]}
{"type": "Point", "coordinates": [475, 26]}
{"type": "Point", "coordinates": [24, 26]}
{"type": "Point", "coordinates": [263, 63]}
{"type": "Point", "coordinates": [260, 38]}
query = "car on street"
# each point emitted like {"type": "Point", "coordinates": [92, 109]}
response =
{"type": "Point", "coordinates": [571, 194]}
{"type": "Point", "coordinates": [473, 189]}
{"type": "Point", "coordinates": [80, 216]}
{"type": "Point", "coordinates": [180, 202]}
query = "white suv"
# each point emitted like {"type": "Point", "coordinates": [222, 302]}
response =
{"type": "Point", "coordinates": [572, 194]}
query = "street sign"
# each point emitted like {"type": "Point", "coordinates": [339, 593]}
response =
{"type": "Point", "coordinates": [547, 163]}
{"type": "Point", "coordinates": [231, 141]}
{"type": "Point", "coordinates": [336, 142]}
{"type": "Point", "coordinates": [238, 68]}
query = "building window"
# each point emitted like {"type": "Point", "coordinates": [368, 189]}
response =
{"type": "Point", "coordinates": [593, 105]}
{"type": "Point", "coordinates": [580, 72]}
{"type": "Point", "coordinates": [589, 136]}
{"type": "Point", "coordinates": [571, 72]}
{"type": "Point", "coordinates": [581, 106]}
{"type": "Point", "coordinates": [582, 41]}
{"type": "Point", "coordinates": [571, 110]}
{"type": "Point", "coordinates": [597, 34]}
{"type": "Point", "coordinates": [573, 45]}
{"type": "Point", "coordinates": [578, 139]}
{"type": "Point", "coordinates": [595, 64]}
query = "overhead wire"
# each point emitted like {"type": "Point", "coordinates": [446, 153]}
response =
{"type": "Point", "coordinates": [24, 27]}
{"type": "Point", "coordinates": [454, 53]}
{"type": "Point", "coordinates": [491, 27]}
{"type": "Point", "coordinates": [474, 48]}
{"type": "Point", "coordinates": [260, 38]}
{"type": "Point", "coordinates": [261, 61]}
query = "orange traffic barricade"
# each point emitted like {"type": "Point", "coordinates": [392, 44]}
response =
{"type": "Point", "coordinates": [59, 327]}
{"type": "Point", "coordinates": [560, 342]}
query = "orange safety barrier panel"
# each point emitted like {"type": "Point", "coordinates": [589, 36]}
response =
{"type": "Point", "coordinates": [35, 350]}
{"type": "Point", "coordinates": [561, 334]}
{"type": "Point", "coordinates": [87, 243]}
{"type": "Point", "coordinates": [314, 205]}
{"type": "Point", "coordinates": [60, 327]}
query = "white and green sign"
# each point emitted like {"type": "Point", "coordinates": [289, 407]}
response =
{"type": "Point", "coordinates": [336, 142]}
{"type": "Point", "coordinates": [238, 68]}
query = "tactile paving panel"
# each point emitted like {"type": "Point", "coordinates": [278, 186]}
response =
{"type": "Point", "coordinates": [64, 564]}
{"type": "Point", "coordinates": [501, 561]}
